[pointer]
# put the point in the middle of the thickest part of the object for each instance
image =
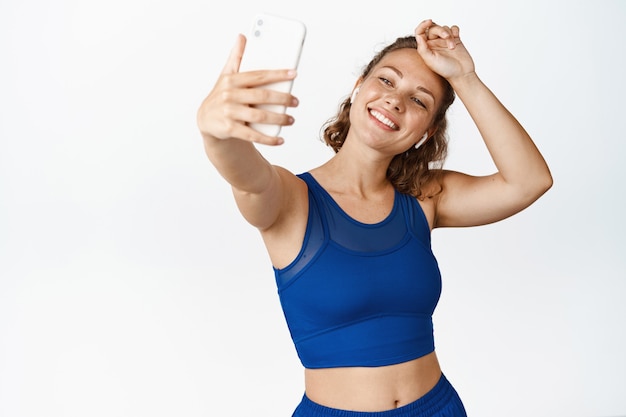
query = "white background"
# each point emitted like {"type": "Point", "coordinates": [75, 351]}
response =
{"type": "Point", "coordinates": [130, 286]}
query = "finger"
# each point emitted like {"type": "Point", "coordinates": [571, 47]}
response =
{"type": "Point", "coordinates": [245, 132]}
{"type": "Point", "coordinates": [266, 140]}
{"type": "Point", "coordinates": [450, 38]}
{"type": "Point", "coordinates": [234, 58]}
{"type": "Point", "coordinates": [237, 119]}
{"type": "Point", "coordinates": [438, 44]}
{"type": "Point", "coordinates": [456, 32]}
{"type": "Point", "coordinates": [257, 78]}
{"type": "Point", "coordinates": [430, 32]}
{"type": "Point", "coordinates": [442, 32]}
{"type": "Point", "coordinates": [239, 114]}
{"type": "Point", "coordinates": [267, 115]}
{"type": "Point", "coordinates": [263, 96]}
{"type": "Point", "coordinates": [421, 36]}
{"type": "Point", "coordinates": [255, 136]}
{"type": "Point", "coordinates": [423, 47]}
{"type": "Point", "coordinates": [436, 31]}
{"type": "Point", "coordinates": [420, 30]}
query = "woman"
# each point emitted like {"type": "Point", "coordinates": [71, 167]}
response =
{"type": "Point", "coordinates": [350, 240]}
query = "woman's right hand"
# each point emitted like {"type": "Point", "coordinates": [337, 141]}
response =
{"type": "Point", "coordinates": [227, 110]}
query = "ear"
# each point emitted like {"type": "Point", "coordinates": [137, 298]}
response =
{"type": "Point", "coordinates": [354, 93]}
{"type": "Point", "coordinates": [431, 132]}
{"type": "Point", "coordinates": [421, 141]}
{"type": "Point", "coordinates": [355, 90]}
{"type": "Point", "coordinates": [427, 135]}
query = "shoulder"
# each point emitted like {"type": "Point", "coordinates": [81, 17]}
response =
{"type": "Point", "coordinates": [292, 199]}
{"type": "Point", "coordinates": [284, 237]}
{"type": "Point", "coordinates": [435, 190]}
{"type": "Point", "coordinates": [295, 187]}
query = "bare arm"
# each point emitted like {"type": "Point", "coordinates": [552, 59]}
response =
{"type": "Point", "coordinates": [522, 174]}
{"type": "Point", "coordinates": [258, 186]}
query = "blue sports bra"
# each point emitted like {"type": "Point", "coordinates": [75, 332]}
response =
{"type": "Point", "coordinates": [360, 294]}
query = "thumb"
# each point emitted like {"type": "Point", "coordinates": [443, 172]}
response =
{"type": "Point", "coordinates": [234, 58]}
{"type": "Point", "coordinates": [422, 45]}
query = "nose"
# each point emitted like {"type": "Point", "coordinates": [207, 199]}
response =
{"type": "Point", "coordinates": [395, 101]}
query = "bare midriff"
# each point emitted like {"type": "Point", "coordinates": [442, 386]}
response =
{"type": "Point", "coordinates": [373, 388]}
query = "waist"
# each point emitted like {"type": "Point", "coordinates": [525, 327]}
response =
{"type": "Point", "coordinates": [373, 388]}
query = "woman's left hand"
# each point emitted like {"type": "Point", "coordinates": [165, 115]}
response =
{"type": "Point", "coordinates": [442, 50]}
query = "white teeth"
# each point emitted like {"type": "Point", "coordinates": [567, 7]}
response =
{"type": "Point", "coordinates": [383, 119]}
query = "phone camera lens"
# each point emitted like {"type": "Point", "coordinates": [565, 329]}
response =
{"type": "Point", "coordinates": [257, 33]}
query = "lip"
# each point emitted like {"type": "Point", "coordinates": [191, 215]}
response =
{"type": "Point", "coordinates": [383, 119]}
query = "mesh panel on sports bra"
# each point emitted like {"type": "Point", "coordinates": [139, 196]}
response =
{"type": "Point", "coordinates": [356, 236]}
{"type": "Point", "coordinates": [344, 231]}
{"type": "Point", "coordinates": [314, 239]}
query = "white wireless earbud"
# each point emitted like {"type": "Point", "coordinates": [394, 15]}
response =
{"type": "Point", "coordinates": [422, 140]}
{"type": "Point", "coordinates": [354, 93]}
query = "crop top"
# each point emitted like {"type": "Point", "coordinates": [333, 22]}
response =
{"type": "Point", "coordinates": [360, 294]}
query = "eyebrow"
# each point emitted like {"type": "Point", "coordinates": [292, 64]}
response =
{"type": "Point", "coordinates": [419, 87]}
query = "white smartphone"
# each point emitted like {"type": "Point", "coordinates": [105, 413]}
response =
{"type": "Point", "coordinates": [274, 42]}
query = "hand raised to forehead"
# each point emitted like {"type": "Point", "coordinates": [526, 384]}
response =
{"type": "Point", "coordinates": [442, 50]}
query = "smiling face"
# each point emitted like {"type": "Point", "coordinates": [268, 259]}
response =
{"type": "Point", "coordinates": [396, 102]}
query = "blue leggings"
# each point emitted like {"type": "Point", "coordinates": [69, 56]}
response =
{"type": "Point", "coordinates": [441, 401]}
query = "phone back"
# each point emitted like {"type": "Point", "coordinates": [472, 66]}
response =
{"type": "Point", "coordinates": [274, 42]}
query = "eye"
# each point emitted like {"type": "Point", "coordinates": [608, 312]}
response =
{"type": "Point", "coordinates": [385, 81]}
{"type": "Point", "coordinates": [418, 101]}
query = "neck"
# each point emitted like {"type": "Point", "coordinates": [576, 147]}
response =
{"type": "Point", "coordinates": [359, 171]}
